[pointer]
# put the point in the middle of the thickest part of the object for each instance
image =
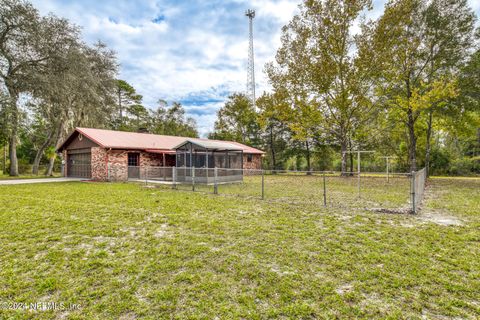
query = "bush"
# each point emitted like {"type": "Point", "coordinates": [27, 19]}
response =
{"type": "Point", "coordinates": [465, 166]}
{"type": "Point", "coordinates": [24, 167]}
{"type": "Point", "coordinates": [440, 162]}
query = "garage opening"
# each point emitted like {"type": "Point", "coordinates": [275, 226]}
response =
{"type": "Point", "coordinates": [79, 163]}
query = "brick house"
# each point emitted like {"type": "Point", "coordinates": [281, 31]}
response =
{"type": "Point", "coordinates": [97, 154]}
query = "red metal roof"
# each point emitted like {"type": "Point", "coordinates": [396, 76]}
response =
{"type": "Point", "coordinates": [141, 141]}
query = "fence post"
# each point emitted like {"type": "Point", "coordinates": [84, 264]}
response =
{"type": "Point", "coordinates": [215, 184]}
{"type": "Point", "coordinates": [174, 177]}
{"type": "Point", "coordinates": [388, 170]}
{"type": "Point", "coordinates": [413, 192]}
{"type": "Point", "coordinates": [324, 191]}
{"type": "Point", "coordinates": [358, 170]}
{"type": "Point", "coordinates": [146, 175]}
{"type": "Point", "coordinates": [263, 184]}
{"type": "Point", "coordinates": [193, 178]}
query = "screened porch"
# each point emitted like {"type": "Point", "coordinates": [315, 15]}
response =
{"type": "Point", "coordinates": [203, 160]}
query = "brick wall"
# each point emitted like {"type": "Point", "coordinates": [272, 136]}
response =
{"type": "Point", "coordinates": [255, 164]}
{"type": "Point", "coordinates": [118, 165]}
{"type": "Point", "coordinates": [150, 159]}
{"type": "Point", "coordinates": [99, 164]}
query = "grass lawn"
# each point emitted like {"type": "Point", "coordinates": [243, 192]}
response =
{"type": "Point", "coordinates": [123, 251]}
{"type": "Point", "coordinates": [28, 176]}
{"type": "Point", "coordinates": [375, 191]}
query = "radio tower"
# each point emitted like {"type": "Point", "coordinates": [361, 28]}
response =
{"type": "Point", "coordinates": [251, 64]}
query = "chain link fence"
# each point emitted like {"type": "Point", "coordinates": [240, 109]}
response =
{"type": "Point", "coordinates": [392, 192]}
{"type": "Point", "coordinates": [383, 191]}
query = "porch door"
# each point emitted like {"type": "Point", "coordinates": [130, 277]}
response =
{"type": "Point", "coordinates": [133, 165]}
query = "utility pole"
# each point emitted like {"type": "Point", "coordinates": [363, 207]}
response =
{"type": "Point", "coordinates": [358, 152]}
{"type": "Point", "coordinates": [251, 61]}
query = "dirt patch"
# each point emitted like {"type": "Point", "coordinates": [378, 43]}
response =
{"type": "Point", "coordinates": [391, 211]}
{"type": "Point", "coordinates": [343, 289]}
{"type": "Point", "coordinates": [441, 219]}
{"type": "Point", "coordinates": [162, 231]}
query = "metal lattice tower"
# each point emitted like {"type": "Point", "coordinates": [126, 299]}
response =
{"type": "Point", "coordinates": [251, 61]}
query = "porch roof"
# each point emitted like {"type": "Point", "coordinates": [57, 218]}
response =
{"type": "Point", "coordinates": [211, 145]}
{"type": "Point", "coordinates": [165, 151]}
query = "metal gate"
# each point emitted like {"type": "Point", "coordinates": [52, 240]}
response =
{"type": "Point", "coordinates": [79, 163]}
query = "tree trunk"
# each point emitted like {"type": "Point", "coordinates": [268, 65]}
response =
{"type": "Point", "coordinates": [40, 151]}
{"type": "Point", "coordinates": [413, 141]}
{"type": "Point", "coordinates": [343, 147]}
{"type": "Point", "coordinates": [57, 137]}
{"type": "Point", "coordinates": [13, 153]}
{"type": "Point", "coordinates": [272, 149]}
{"type": "Point", "coordinates": [49, 171]}
{"type": "Point", "coordinates": [309, 167]}
{"type": "Point", "coordinates": [13, 136]}
{"type": "Point", "coordinates": [428, 144]}
{"type": "Point", "coordinates": [5, 159]}
{"type": "Point", "coordinates": [351, 156]}
{"type": "Point", "coordinates": [412, 148]}
{"type": "Point", "coordinates": [475, 150]}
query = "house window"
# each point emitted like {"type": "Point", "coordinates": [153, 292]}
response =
{"type": "Point", "coordinates": [133, 159]}
{"type": "Point", "coordinates": [249, 157]}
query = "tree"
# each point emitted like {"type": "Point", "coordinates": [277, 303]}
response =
{"type": "Point", "coordinates": [28, 43]}
{"type": "Point", "coordinates": [138, 117]}
{"type": "Point", "coordinates": [415, 44]}
{"type": "Point", "coordinates": [460, 119]}
{"type": "Point", "coordinates": [4, 103]}
{"type": "Point", "coordinates": [76, 89]}
{"type": "Point", "coordinates": [126, 97]}
{"type": "Point", "coordinates": [237, 121]}
{"type": "Point", "coordinates": [19, 58]}
{"type": "Point", "coordinates": [316, 65]}
{"type": "Point", "coordinates": [275, 134]}
{"type": "Point", "coordinates": [171, 120]}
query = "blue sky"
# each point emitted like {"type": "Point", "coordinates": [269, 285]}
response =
{"type": "Point", "coordinates": [190, 51]}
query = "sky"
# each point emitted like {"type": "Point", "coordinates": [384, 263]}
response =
{"type": "Point", "coordinates": [192, 51]}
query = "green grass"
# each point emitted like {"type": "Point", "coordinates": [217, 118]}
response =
{"type": "Point", "coordinates": [28, 176]}
{"type": "Point", "coordinates": [129, 252]}
{"type": "Point", "coordinates": [375, 192]}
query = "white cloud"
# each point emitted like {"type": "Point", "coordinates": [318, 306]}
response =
{"type": "Point", "coordinates": [195, 51]}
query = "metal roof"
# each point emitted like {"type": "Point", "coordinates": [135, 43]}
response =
{"type": "Point", "coordinates": [143, 141]}
{"type": "Point", "coordinates": [212, 145]}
